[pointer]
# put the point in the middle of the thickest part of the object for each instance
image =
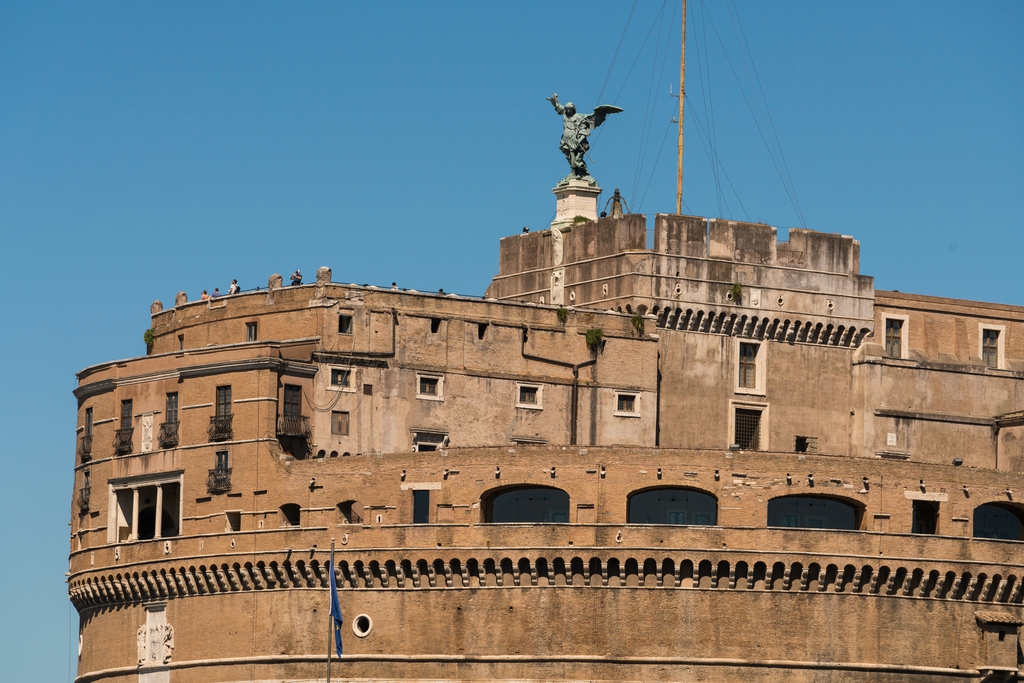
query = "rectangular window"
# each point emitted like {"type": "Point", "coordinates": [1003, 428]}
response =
{"type": "Point", "coordinates": [990, 347]}
{"type": "Point", "coordinates": [748, 366]}
{"type": "Point", "coordinates": [339, 422]}
{"type": "Point", "coordinates": [429, 386]}
{"type": "Point", "coordinates": [345, 323]}
{"type": "Point", "coordinates": [893, 338]}
{"type": "Point", "coordinates": [528, 396]}
{"type": "Point", "coordinates": [234, 520]}
{"type": "Point", "coordinates": [748, 429]}
{"type": "Point", "coordinates": [626, 404]}
{"type": "Point", "coordinates": [88, 421]}
{"type": "Point", "coordinates": [222, 461]}
{"type": "Point", "coordinates": [171, 408]}
{"type": "Point", "coordinates": [423, 442]}
{"type": "Point", "coordinates": [421, 507]}
{"type": "Point", "coordinates": [126, 414]}
{"type": "Point", "coordinates": [181, 342]}
{"type": "Point", "coordinates": [292, 401]}
{"type": "Point", "coordinates": [250, 332]}
{"type": "Point", "coordinates": [223, 401]}
{"type": "Point", "coordinates": [367, 390]}
{"type": "Point", "coordinates": [341, 378]}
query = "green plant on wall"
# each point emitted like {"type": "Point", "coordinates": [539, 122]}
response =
{"type": "Point", "coordinates": [736, 292]}
{"type": "Point", "coordinates": [148, 337]}
{"type": "Point", "coordinates": [638, 324]}
{"type": "Point", "coordinates": [563, 314]}
{"type": "Point", "coordinates": [580, 219]}
{"type": "Point", "coordinates": [594, 338]}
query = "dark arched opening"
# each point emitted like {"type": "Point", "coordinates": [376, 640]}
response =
{"type": "Point", "coordinates": [527, 504]}
{"type": "Point", "coordinates": [290, 514]}
{"type": "Point", "coordinates": [998, 520]}
{"type": "Point", "coordinates": [672, 506]}
{"type": "Point", "coordinates": [813, 512]}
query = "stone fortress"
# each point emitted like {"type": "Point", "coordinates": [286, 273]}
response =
{"type": "Point", "coordinates": [726, 458]}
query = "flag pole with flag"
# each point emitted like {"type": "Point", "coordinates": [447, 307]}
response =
{"type": "Point", "coordinates": [335, 614]}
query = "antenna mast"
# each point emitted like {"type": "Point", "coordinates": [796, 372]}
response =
{"type": "Point", "coordinates": [682, 99]}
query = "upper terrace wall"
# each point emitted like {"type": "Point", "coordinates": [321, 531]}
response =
{"type": "Point", "coordinates": [694, 263]}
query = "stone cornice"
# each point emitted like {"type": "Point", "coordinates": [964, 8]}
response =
{"type": "Point", "coordinates": [710, 570]}
{"type": "Point", "coordinates": [241, 365]}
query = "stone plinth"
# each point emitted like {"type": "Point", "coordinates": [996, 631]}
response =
{"type": "Point", "coordinates": [575, 197]}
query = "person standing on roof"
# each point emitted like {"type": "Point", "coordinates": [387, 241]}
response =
{"type": "Point", "coordinates": [297, 277]}
{"type": "Point", "coordinates": [234, 288]}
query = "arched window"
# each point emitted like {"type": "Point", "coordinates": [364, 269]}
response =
{"type": "Point", "coordinates": [998, 520]}
{"type": "Point", "coordinates": [290, 514]}
{"type": "Point", "coordinates": [813, 512]}
{"type": "Point", "coordinates": [672, 506]}
{"type": "Point", "coordinates": [535, 504]}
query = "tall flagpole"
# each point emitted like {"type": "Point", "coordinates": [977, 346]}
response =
{"type": "Point", "coordinates": [330, 617]}
{"type": "Point", "coordinates": [682, 98]}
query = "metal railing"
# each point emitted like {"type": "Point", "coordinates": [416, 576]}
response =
{"type": "Point", "coordinates": [85, 448]}
{"type": "Point", "coordinates": [123, 441]}
{"type": "Point", "coordinates": [168, 436]}
{"type": "Point", "coordinates": [219, 480]}
{"type": "Point", "coordinates": [220, 428]}
{"type": "Point", "coordinates": [83, 499]}
{"type": "Point", "coordinates": [294, 426]}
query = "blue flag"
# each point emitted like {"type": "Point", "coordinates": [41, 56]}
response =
{"type": "Point", "coordinates": [335, 609]}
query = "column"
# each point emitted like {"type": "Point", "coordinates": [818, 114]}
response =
{"type": "Point", "coordinates": [159, 511]}
{"type": "Point", "coordinates": [134, 534]}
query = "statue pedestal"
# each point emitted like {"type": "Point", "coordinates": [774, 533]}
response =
{"type": "Point", "coordinates": [575, 197]}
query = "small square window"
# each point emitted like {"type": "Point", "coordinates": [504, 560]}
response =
{"type": "Point", "coordinates": [341, 378]}
{"type": "Point", "coordinates": [339, 422]}
{"type": "Point", "coordinates": [627, 404]}
{"type": "Point", "coordinates": [250, 331]}
{"type": "Point", "coordinates": [429, 387]}
{"type": "Point", "coordinates": [345, 323]}
{"type": "Point", "coordinates": [528, 396]}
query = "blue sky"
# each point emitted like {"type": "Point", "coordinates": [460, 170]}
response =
{"type": "Point", "coordinates": [149, 148]}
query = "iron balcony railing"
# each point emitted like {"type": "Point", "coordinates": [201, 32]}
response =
{"type": "Point", "coordinates": [219, 480]}
{"type": "Point", "coordinates": [220, 428]}
{"type": "Point", "coordinates": [353, 518]}
{"type": "Point", "coordinates": [85, 448]}
{"type": "Point", "coordinates": [83, 499]}
{"type": "Point", "coordinates": [168, 434]}
{"type": "Point", "coordinates": [123, 441]}
{"type": "Point", "coordinates": [294, 426]}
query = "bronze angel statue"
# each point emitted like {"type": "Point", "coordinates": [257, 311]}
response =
{"type": "Point", "coordinates": [575, 129]}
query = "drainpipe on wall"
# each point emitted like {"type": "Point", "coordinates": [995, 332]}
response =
{"type": "Point", "coordinates": [573, 409]}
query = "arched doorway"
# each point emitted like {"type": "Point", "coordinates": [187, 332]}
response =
{"type": "Point", "coordinates": [672, 505]}
{"type": "Point", "coordinates": [541, 504]}
{"type": "Point", "coordinates": [813, 512]}
{"type": "Point", "coordinates": [999, 520]}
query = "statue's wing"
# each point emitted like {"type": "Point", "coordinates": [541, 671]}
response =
{"type": "Point", "coordinates": [602, 111]}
